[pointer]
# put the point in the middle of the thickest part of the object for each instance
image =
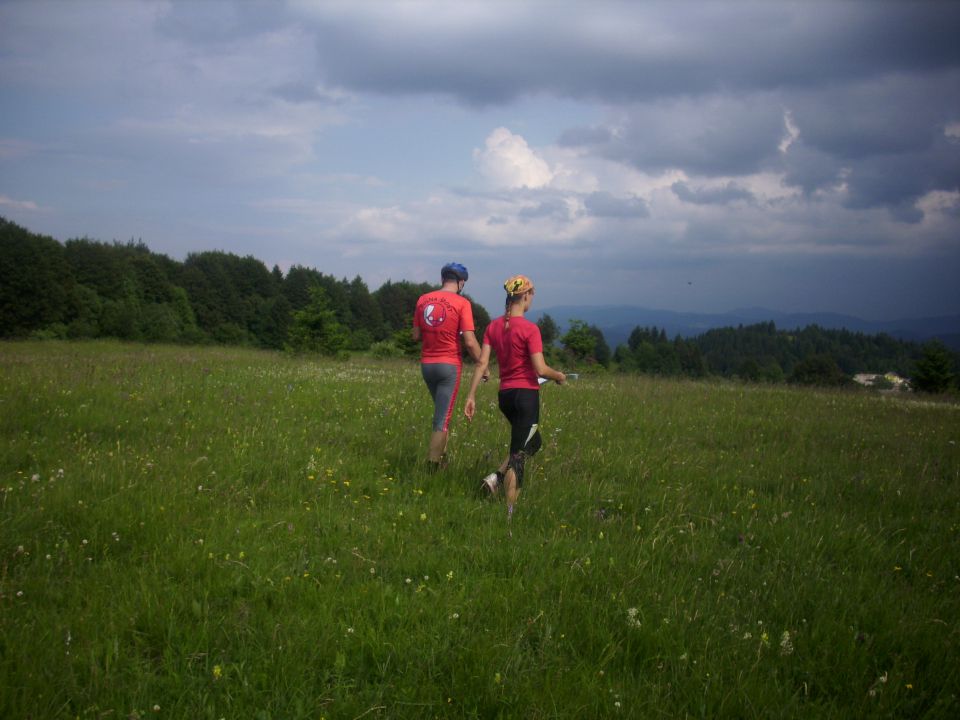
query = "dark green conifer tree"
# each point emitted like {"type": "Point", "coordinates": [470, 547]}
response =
{"type": "Point", "coordinates": [934, 371]}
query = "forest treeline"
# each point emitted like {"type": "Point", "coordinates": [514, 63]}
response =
{"type": "Point", "coordinates": [810, 356]}
{"type": "Point", "coordinates": [89, 289]}
{"type": "Point", "coordinates": [762, 353]}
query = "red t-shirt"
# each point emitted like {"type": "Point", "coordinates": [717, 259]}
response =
{"type": "Point", "coordinates": [514, 347]}
{"type": "Point", "coordinates": [441, 316]}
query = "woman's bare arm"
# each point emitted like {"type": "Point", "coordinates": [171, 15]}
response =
{"type": "Point", "coordinates": [543, 370]}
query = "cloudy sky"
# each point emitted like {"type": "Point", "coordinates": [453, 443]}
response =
{"type": "Point", "coordinates": [693, 156]}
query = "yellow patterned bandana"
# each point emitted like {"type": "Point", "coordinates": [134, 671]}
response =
{"type": "Point", "coordinates": [517, 285]}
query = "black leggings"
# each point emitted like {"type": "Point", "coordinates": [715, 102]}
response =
{"type": "Point", "coordinates": [521, 406]}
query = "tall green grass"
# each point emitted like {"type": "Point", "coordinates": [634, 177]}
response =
{"type": "Point", "coordinates": [219, 533]}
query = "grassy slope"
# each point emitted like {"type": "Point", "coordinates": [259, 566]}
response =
{"type": "Point", "coordinates": [223, 533]}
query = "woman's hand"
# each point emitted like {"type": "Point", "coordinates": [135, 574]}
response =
{"type": "Point", "coordinates": [470, 408]}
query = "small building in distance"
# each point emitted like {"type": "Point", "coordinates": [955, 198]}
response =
{"type": "Point", "coordinates": [886, 381]}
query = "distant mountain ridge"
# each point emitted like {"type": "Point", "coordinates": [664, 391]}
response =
{"type": "Point", "coordinates": [618, 321]}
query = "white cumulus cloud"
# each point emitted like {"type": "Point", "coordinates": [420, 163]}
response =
{"type": "Point", "coordinates": [507, 161]}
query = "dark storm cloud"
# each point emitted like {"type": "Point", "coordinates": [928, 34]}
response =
{"type": "Point", "coordinates": [712, 136]}
{"type": "Point", "coordinates": [586, 136]}
{"type": "Point", "coordinates": [897, 181]}
{"type": "Point", "coordinates": [888, 115]}
{"type": "Point", "coordinates": [553, 208]}
{"type": "Point", "coordinates": [894, 178]}
{"type": "Point", "coordinates": [810, 169]}
{"type": "Point", "coordinates": [219, 21]}
{"type": "Point", "coordinates": [603, 204]}
{"type": "Point", "coordinates": [886, 140]}
{"type": "Point", "coordinates": [711, 196]}
{"type": "Point", "coordinates": [620, 51]}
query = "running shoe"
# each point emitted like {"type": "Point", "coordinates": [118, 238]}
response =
{"type": "Point", "coordinates": [491, 483]}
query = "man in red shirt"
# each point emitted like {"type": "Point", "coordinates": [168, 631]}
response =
{"type": "Point", "coordinates": [442, 317]}
{"type": "Point", "coordinates": [519, 349]}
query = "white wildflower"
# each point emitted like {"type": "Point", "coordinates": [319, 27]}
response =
{"type": "Point", "coordinates": [786, 643]}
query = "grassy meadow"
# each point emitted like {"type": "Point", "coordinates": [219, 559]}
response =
{"type": "Point", "coordinates": [223, 533]}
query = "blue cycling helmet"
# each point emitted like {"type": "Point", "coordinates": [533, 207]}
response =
{"type": "Point", "coordinates": [454, 271]}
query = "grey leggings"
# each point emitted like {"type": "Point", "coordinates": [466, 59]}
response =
{"type": "Point", "coordinates": [443, 381]}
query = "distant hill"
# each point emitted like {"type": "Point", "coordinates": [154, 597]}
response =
{"type": "Point", "coordinates": [618, 321]}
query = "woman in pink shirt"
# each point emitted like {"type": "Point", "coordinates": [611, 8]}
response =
{"type": "Point", "coordinates": [519, 349]}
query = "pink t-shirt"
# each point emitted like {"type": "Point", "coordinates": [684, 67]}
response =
{"type": "Point", "coordinates": [441, 316]}
{"type": "Point", "coordinates": [514, 348]}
